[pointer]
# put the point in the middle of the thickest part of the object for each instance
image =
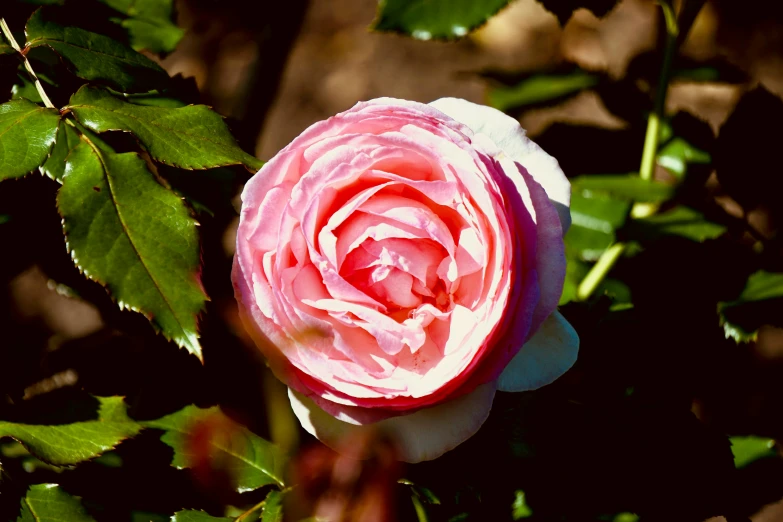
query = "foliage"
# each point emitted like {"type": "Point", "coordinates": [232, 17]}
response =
{"type": "Point", "coordinates": [666, 288]}
{"type": "Point", "coordinates": [124, 226]}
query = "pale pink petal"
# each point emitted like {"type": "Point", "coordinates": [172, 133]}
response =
{"type": "Point", "coordinates": [542, 359]}
{"type": "Point", "coordinates": [424, 435]}
{"type": "Point", "coordinates": [511, 138]}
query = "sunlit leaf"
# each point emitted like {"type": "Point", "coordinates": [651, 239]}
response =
{"type": "Point", "coordinates": [49, 503]}
{"type": "Point", "coordinates": [196, 433]}
{"type": "Point", "coordinates": [750, 449]}
{"type": "Point", "coordinates": [520, 508]}
{"type": "Point", "coordinates": [66, 444]}
{"type": "Point", "coordinates": [594, 221]}
{"type": "Point", "coordinates": [680, 221]}
{"type": "Point", "coordinates": [630, 187]}
{"type": "Point", "coordinates": [439, 19]}
{"type": "Point", "coordinates": [192, 137]}
{"type": "Point", "coordinates": [760, 303]}
{"type": "Point", "coordinates": [541, 89]}
{"type": "Point", "coordinates": [27, 133]}
{"type": "Point", "coordinates": [676, 155]}
{"type": "Point", "coordinates": [93, 56]}
{"type": "Point", "coordinates": [131, 234]}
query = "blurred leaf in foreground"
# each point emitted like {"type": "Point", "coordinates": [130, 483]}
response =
{"type": "Point", "coordinates": [206, 440]}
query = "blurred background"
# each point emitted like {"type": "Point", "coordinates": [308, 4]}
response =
{"type": "Point", "coordinates": [578, 449]}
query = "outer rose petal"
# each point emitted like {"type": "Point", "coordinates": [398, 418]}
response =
{"type": "Point", "coordinates": [424, 435]}
{"type": "Point", "coordinates": [510, 137]}
{"type": "Point", "coordinates": [544, 358]}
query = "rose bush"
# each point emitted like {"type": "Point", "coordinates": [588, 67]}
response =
{"type": "Point", "coordinates": [400, 262]}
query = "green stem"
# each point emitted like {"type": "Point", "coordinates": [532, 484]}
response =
{"type": "Point", "coordinates": [250, 511]}
{"type": "Point", "coordinates": [599, 271]}
{"type": "Point", "coordinates": [654, 122]}
{"type": "Point", "coordinates": [7, 32]}
{"type": "Point", "coordinates": [674, 31]}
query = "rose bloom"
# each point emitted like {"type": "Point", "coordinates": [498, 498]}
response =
{"type": "Point", "coordinates": [400, 262]}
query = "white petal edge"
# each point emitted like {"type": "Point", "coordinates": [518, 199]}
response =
{"type": "Point", "coordinates": [423, 435]}
{"type": "Point", "coordinates": [512, 139]}
{"type": "Point", "coordinates": [546, 356]}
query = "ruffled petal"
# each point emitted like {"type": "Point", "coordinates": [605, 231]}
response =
{"type": "Point", "coordinates": [511, 138]}
{"type": "Point", "coordinates": [424, 435]}
{"type": "Point", "coordinates": [544, 358]}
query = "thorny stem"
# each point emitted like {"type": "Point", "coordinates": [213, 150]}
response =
{"type": "Point", "coordinates": [7, 32]}
{"type": "Point", "coordinates": [675, 34]}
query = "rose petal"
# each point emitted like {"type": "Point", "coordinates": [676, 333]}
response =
{"type": "Point", "coordinates": [544, 358]}
{"type": "Point", "coordinates": [511, 138]}
{"type": "Point", "coordinates": [423, 435]}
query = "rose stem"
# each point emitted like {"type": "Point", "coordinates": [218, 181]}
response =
{"type": "Point", "coordinates": [675, 35]}
{"type": "Point", "coordinates": [30, 71]}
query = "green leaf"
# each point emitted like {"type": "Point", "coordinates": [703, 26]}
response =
{"type": "Point", "coordinates": [131, 234]}
{"type": "Point", "coordinates": [440, 19]}
{"type": "Point", "coordinates": [594, 221]}
{"type": "Point", "coordinates": [680, 221]}
{"type": "Point", "coordinates": [759, 303]}
{"type": "Point", "coordinates": [750, 449]}
{"type": "Point", "coordinates": [68, 444]}
{"type": "Point", "coordinates": [67, 140]}
{"type": "Point", "coordinates": [149, 23]}
{"type": "Point", "coordinates": [6, 49]}
{"type": "Point", "coordinates": [49, 503]}
{"type": "Point", "coordinates": [520, 508]}
{"type": "Point", "coordinates": [93, 56]}
{"type": "Point", "coordinates": [197, 516]}
{"type": "Point", "coordinates": [676, 155]}
{"type": "Point", "coordinates": [253, 461]}
{"type": "Point", "coordinates": [24, 88]}
{"type": "Point", "coordinates": [630, 187]}
{"type": "Point", "coordinates": [192, 137]}
{"type": "Point", "coordinates": [152, 35]}
{"type": "Point", "coordinates": [27, 132]}
{"type": "Point", "coordinates": [273, 507]}
{"type": "Point", "coordinates": [541, 89]}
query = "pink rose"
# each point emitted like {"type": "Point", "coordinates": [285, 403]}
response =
{"type": "Point", "coordinates": [400, 262]}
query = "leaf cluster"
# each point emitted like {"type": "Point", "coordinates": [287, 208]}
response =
{"type": "Point", "coordinates": [691, 283]}
{"type": "Point", "coordinates": [202, 440]}
{"type": "Point", "coordinates": [124, 225]}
